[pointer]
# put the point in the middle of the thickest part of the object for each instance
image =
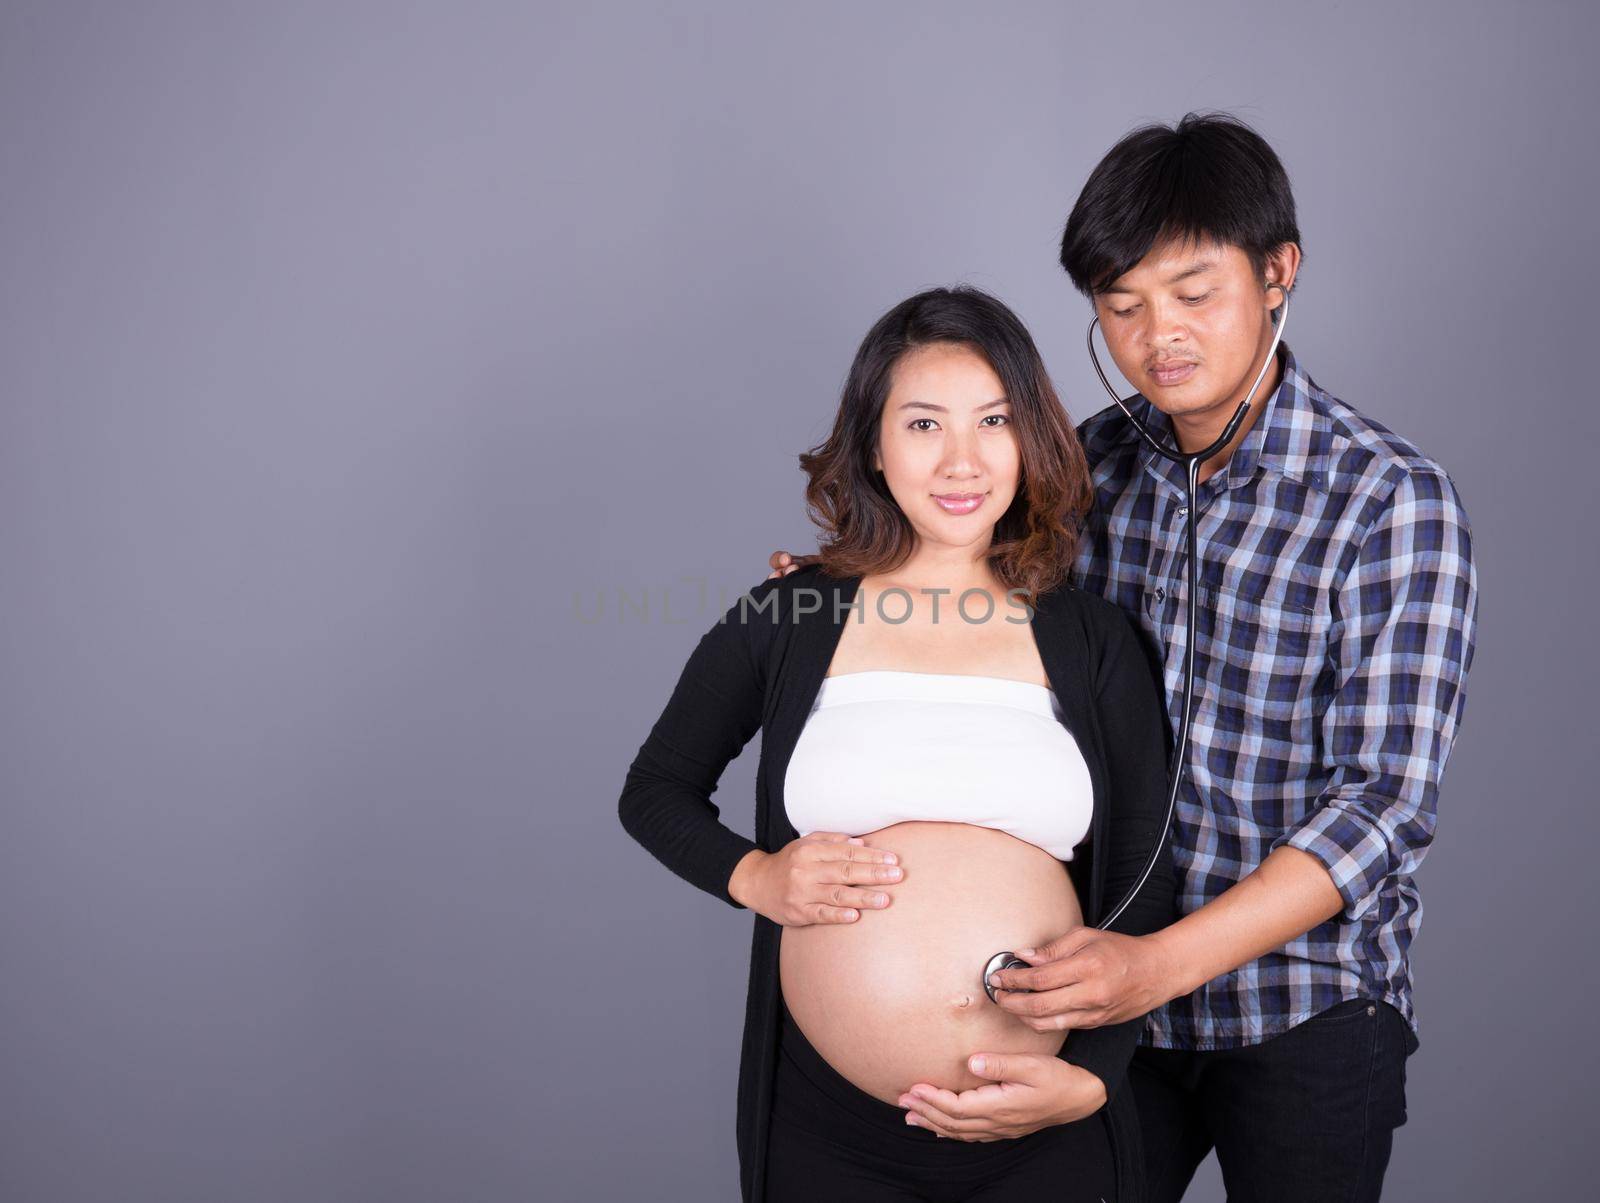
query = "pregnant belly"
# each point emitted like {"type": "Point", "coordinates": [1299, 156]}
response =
{"type": "Point", "coordinates": [897, 996]}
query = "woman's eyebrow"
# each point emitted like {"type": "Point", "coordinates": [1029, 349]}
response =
{"type": "Point", "coordinates": [939, 409]}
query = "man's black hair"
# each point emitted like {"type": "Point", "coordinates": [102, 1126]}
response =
{"type": "Point", "coordinates": [1208, 178]}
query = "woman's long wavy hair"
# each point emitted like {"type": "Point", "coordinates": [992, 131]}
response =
{"type": "Point", "coordinates": [864, 531]}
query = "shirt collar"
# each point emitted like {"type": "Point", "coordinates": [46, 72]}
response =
{"type": "Point", "coordinates": [1291, 437]}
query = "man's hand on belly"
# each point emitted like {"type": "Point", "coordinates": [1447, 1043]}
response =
{"type": "Point", "coordinates": [1030, 1091]}
{"type": "Point", "coordinates": [1086, 979]}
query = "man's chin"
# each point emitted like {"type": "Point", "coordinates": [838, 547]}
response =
{"type": "Point", "coordinates": [1186, 398]}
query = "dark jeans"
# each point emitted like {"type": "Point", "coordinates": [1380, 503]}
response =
{"type": "Point", "coordinates": [830, 1140]}
{"type": "Point", "coordinates": [1306, 1116]}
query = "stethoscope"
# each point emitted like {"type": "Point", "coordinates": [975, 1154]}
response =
{"type": "Point", "coordinates": [1191, 462]}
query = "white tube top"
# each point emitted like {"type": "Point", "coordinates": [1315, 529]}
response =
{"type": "Point", "coordinates": [886, 747]}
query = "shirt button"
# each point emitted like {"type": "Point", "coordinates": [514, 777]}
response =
{"type": "Point", "coordinates": [1161, 595]}
{"type": "Point", "coordinates": [1182, 510]}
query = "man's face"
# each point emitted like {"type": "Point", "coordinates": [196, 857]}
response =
{"type": "Point", "coordinates": [1188, 325]}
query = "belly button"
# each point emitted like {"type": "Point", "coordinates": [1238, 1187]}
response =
{"type": "Point", "coordinates": [964, 1000]}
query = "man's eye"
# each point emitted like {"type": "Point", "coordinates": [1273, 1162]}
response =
{"type": "Point", "coordinates": [1194, 300]}
{"type": "Point", "coordinates": [1123, 312]}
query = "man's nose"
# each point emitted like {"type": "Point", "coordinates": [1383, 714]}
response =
{"type": "Point", "coordinates": [1164, 325]}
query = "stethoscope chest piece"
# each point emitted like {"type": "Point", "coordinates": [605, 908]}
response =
{"type": "Point", "coordinates": [1002, 960]}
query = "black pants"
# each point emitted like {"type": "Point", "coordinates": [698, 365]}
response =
{"type": "Point", "coordinates": [829, 1139]}
{"type": "Point", "coordinates": [1308, 1115]}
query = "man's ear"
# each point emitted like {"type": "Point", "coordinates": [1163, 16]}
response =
{"type": "Point", "coordinates": [1282, 265]}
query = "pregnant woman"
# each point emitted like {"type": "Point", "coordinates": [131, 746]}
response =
{"type": "Point", "coordinates": [961, 755]}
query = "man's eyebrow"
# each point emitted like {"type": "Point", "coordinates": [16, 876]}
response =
{"type": "Point", "coordinates": [939, 409]}
{"type": "Point", "coordinates": [1198, 267]}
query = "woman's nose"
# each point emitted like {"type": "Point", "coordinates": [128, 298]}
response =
{"type": "Point", "coordinates": [961, 457]}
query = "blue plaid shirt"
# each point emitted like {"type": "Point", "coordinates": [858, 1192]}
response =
{"type": "Point", "coordinates": [1337, 618]}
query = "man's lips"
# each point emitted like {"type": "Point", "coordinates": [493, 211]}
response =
{"type": "Point", "coordinates": [1174, 371]}
{"type": "Point", "coordinates": [959, 503]}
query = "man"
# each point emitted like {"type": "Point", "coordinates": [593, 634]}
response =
{"type": "Point", "coordinates": [1335, 628]}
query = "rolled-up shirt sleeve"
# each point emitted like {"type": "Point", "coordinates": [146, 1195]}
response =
{"type": "Point", "coordinates": [1399, 649]}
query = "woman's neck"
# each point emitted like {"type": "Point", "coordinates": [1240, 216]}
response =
{"type": "Point", "coordinates": [947, 574]}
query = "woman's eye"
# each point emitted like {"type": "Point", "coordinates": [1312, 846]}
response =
{"type": "Point", "coordinates": [1000, 418]}
{"type": "Point", "coordinates": [916, 423]}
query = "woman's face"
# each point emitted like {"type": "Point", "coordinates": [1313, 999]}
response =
{"type": "Point", "coordinates": [946, 446]}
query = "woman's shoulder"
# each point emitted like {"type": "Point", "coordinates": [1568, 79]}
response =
{"type": "Point", "coordinates": [1101, 619]}
{"type": "Point", "coordinates": [779, 604]}
{"type": "Point", "coordinates": [794, 593]}
{"type": "Point", "coordinates": [1103, 633]}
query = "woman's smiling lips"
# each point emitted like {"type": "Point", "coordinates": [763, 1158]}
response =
{"type": "Point", "coordinates": [959, 503]}
{"type": "Point", "coordinates": [1173, 371]}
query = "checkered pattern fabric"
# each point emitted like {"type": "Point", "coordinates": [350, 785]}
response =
{"type": "Point", "coordinates": [1336, 624]}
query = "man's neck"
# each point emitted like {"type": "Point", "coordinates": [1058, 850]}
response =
{"type": "Point", "coordinates": [1197, 431]}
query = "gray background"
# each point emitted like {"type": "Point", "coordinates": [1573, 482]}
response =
{"type": "Point", "coordinates": [355, 358]}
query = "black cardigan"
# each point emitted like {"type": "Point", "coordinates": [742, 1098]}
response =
{"type": "Point", "coordinates": [760, 668]}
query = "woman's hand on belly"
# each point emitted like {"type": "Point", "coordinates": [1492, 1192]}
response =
{"type": "Point", "coordinates": [819, 878]}
{"type": "Point", "coordinates": [1029, 1091]}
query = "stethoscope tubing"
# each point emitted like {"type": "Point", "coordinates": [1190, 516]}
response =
{"type": "Point", "coordinates": [1190, 462]}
